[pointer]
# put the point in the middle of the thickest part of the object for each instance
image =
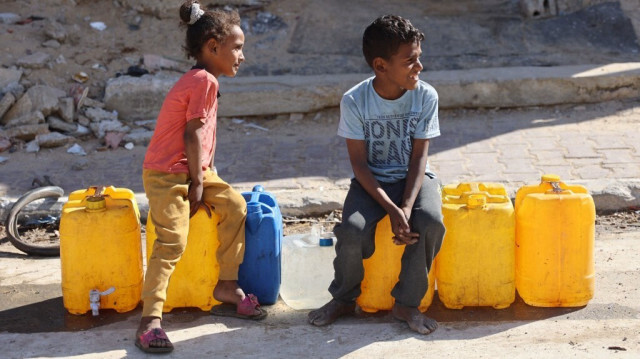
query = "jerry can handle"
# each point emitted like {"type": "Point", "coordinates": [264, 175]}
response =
{"type": "Point", "coordinates": [99, 191]}
{"type": "Point", "coordinates": [557, 189]}
{"type": "Point", "coordinates": [476, 200]}
{"type": "Point", "coordinates": [255, 193]}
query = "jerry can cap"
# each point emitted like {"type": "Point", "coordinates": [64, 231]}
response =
{"type": "Point", "coordinates": [96, 203]}
{"type": "Point", "coordinates": [550, 178]}
{"type": "Point", "coordinates": [325, 242]}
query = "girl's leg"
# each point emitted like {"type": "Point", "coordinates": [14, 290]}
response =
{"type": "Point", "coordinates": [231, 209]}
{"type": "Point", "coordinates": [167, 194]}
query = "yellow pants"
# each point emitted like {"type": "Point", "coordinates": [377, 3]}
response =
{"type": "Point", "coordinates": [167, 194]}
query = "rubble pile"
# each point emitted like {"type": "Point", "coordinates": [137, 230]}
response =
{"type": "Point", "coordinates": [42, 117]}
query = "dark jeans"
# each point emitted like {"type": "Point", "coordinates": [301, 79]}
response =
{"type": "Point", "coordinates": [356, 240]}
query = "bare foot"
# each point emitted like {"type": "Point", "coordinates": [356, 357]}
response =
{"type": "Point", "coordinates": [416, 320]}
{"type": "Point", "coordinates": [228, 291]}
{"type": "Point", "coordinates": [150, 323]}
{"type": "Point", "coordinates": [331, 311]}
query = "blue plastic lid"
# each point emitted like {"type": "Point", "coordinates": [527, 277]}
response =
{"type": "Point", "coordinates": [326, 242]}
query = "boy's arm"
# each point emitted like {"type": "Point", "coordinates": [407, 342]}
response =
{"type": "Point", "coordinates": [415, 175]}
{"type": "Point", "coordinates": [193, 150]}
{"type": "Point", "coordinates": [358, 156]}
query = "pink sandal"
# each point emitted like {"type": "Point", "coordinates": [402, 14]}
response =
{"type": "Point", "coordinates": [245, 309]}
{"type": "Point", "coordinates": [143, 341]}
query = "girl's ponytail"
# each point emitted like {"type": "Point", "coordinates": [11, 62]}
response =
{"type": "Point", "coordinates": [190, 12]}
{"type": "Point", "coordinates": [203, 25]}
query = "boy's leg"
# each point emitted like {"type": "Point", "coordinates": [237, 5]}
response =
{"type": "Point", "coordinates": [355, 241]}
{"type": "Point", "coordinates": [426, 219]}
{"type": "Point", "coordinates": [167, 195]}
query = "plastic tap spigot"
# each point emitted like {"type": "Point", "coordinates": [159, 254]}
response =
{"type": "Point", "coordinates": [94, 299]}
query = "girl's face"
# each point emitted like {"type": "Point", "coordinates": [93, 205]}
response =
{"type": "Point", "coordinates": [227, 55]}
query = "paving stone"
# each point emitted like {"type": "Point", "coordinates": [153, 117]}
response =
{"type": "Point", "coordinates": [542, 143]}
{"type": "Point", "coordinates": [572, 137]}
{"type": "Point", "coordinates": [607, 142]}
{"type": "Point", "coordinates": [518, 167]}
{"type": "Point", "coordinates": [489, 166]}
{"type": "Point", "coordinates": [624, 170]}
{"type": "Point", "coordinates": [451, 167]}
{"type": "Point", "coordinates": [523, 178]}
{"type": "Point", "coordinates": [520, 151]}
{"type": "Point", "coordinates": [592, 172]}
{"type": "Point", "coordinates": [581, 150]}
{"type": "Point", "coordinates": [565, 172]}
{"type": "Point", "coordinates": [581, 162]}
{"type": "Point", "coordinates": [449, 155]}
{"type": "Point", "coordinates": [550, 157]}
{"type": "Point", "coordinates": [489, 177]}
{"type": "Point", "coordinates": [618, 156]}
{"type": "Point", "coordinates": [479, 147]}
{"type": "Point", "coordinates": [633, 141]}
{"type": "Point", "coordinates": [540, 132]}
{"type": "Point", "coordinates": [446, 178]}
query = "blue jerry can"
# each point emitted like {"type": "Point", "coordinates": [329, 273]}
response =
{"type": "Point", "coordinates": [260, 271]}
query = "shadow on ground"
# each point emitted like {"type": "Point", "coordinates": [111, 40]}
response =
{"type": "Point", "coordinates": [49, 315]}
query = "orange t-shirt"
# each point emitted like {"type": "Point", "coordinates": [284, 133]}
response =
{"type": "Point", "coordinates": [194, 95]}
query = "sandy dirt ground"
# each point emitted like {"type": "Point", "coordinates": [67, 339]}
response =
{"type": "Point", "coordinates": [609, 326]}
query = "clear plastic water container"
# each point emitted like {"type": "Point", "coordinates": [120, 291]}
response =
{"type": "Point", "coordinates": [307, 269]}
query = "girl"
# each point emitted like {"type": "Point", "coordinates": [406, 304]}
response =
{"type": "Point", "coordinates": [178, 178]}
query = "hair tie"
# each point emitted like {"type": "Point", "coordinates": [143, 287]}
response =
{"type": "Point", "coordinates": [196, 12]}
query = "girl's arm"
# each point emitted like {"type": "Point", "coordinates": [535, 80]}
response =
{"type": "Point", "coordinates": [193, 149]}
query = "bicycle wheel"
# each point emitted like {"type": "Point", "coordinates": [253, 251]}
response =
{"type": "Point", "coordinates": [11, 223]}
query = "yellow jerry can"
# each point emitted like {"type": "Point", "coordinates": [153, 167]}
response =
{"type": "Point", "coordinates": [476, 264]}
{"type": "Point", "coordinates": [100, 251]}
{"type": "Point", "coordinates": [555, 226]}
{"type": "Point", "coordinates": [196, 273]}
{"type": "Point", "coordinates": [381, 272]}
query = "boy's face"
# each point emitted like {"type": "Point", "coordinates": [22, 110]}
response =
{"type": "Point", "coordinates": [403, 68]}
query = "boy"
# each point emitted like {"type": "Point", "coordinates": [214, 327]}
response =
{"type": "Point", "coordinates": [387, 121]}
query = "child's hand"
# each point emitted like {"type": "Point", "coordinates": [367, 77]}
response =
{"type": "Point", "coordinates": [401, 229]}
{"type": "Point", "coordinates": [195, 199]}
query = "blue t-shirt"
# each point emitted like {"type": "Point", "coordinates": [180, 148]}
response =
{"type": "Point", "coordinates": [388, 126]}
